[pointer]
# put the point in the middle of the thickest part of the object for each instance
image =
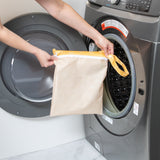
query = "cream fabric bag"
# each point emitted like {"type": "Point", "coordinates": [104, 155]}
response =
{"type": "Point", "coordinates": [78, 83]}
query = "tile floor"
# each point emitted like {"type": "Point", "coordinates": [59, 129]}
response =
{"type": "Point", "coordinates": [77, 150]}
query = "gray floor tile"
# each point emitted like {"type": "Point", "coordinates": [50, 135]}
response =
{"type": "Point", "coordinates": [77, 150]}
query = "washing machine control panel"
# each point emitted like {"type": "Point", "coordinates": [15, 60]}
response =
{"type": "Point", "coordinates": [147, 7]}
{"type": "Point", "coordinates": [139, 5]}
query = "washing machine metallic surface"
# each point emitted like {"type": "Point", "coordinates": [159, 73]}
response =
{"type": "Point", "coordinates": [25, 86]}
{"type": "Point", "coordinates": [130, 124]}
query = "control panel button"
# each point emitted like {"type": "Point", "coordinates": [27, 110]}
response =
{"type": "Point", "coordinates": [139, 5]}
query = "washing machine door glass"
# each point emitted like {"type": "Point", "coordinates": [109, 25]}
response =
{"type": "Point", "coordinates": [119, 92]}
{"type": "Point", "coordinates": [24, 76]}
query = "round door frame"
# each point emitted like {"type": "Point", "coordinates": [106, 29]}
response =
{"type": "Point", "coordinates": [22, 25]}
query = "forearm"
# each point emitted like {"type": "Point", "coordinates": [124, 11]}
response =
{"type": "Point", "coordinates": [13, 40]}
{"type": "Point", "coordinates": [66, 14]}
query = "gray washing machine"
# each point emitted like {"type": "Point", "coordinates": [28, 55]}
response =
{"type": "Point", "coordinates": [26, 87]}
{"type": "Point", "coordinates": [130, 125]}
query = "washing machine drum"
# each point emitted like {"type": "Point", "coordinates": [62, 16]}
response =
{"type": "Point", "coordinates": [26, 86]}
{"type": "Point", "coordinates": [119, 92]}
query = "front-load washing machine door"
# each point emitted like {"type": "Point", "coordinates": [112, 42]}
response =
{"type": "Point", "coordinates": [123, 100]}
{"type": "Point", "coordinates": [26, 87]}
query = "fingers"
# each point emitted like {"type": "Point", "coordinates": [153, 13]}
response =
{"type": "Point", "coordinates": [49, 61]}
{"type": "Point", "coordinates": [108, 48]}
{"type": "Point", "coordinates": [111, 48]}
{"type": "Point", "coordinates": [47, 64]}
{"type": "Point", "coordinates": [104, 44]}
{"type": "Point", "coordinates": [54, 58]}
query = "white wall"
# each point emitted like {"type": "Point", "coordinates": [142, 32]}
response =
{"type": "Point", "coordinates": [22, 135]}
{"type": "Point", "coordinates": [13, 8]}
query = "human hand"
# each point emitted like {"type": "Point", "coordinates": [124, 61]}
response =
{"type": "Point", "coordinates": [45, 59]}
{"type": "Point", "coordinates": [105, 45]}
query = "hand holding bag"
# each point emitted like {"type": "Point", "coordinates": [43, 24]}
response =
{"type": "Point", "coordinates": [78, 81]}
